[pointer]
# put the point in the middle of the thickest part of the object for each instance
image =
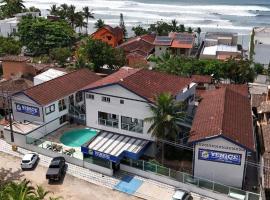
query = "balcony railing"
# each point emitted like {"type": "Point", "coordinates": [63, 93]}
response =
{"type": "Point", "coordinates": [108, 122]}
{"type": "Point", "coordinates": [132, 127]}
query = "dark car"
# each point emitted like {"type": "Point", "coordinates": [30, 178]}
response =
{"type": "Point", "coordinates": [56, 169]}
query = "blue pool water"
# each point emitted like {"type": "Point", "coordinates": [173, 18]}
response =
{"type": "Point", "coordinates": [77, 137]}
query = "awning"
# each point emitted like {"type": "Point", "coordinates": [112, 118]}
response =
{"type": "Point", "coordinates": [113, 146]}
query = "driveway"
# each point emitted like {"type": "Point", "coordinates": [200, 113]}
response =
{"type": "Point", "coordinates": [71, 189]}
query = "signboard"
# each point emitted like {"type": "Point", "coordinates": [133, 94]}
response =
{"type": "Point", "coordinates": [27, 109]}
{"type": "Point", "coordinates": [220, 156]}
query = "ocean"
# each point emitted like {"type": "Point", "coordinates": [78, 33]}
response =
{"type": "Point", "coordinates": [214, 15]}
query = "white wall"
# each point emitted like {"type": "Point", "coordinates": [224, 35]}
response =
{"type": "Point", "coordinates": [228, 174]}
{"type": "Point", "coordinates": [135, 107]}
{"type": "Point", "coordinates": [7, 26]}
{"type": "Point", "coordinates": [159, 50]}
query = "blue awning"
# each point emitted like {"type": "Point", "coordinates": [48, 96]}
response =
{"type": "Point", "coordinates": [113, 147]}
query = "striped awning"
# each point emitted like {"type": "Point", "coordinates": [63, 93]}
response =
{"type": "Point", "coordinates": [113, 146]}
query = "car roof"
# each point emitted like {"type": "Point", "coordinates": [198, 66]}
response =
{"type": "Point", "coordinates": [28, 156]}
{"type": "Point", "coordinates": [179, 194]}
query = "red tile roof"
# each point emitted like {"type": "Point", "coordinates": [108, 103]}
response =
{"type": "Point", "coordinates": [201, 78]}
{"type": "Point", "coordinates": [239, 88]}
{"type": "Point", "coordinates": [224, 112]}
{"type": "Point", "coordinates": [145, 83]}
{"type": "Point", "coordinates": [60, 87]}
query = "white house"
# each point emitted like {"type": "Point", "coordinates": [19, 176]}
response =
{"type": "Point", "coordinates": [222, 135]}
{"type": "Point", "coordinates": [120, 102]}
{"type": "Point", "coordinates": [50, 104]}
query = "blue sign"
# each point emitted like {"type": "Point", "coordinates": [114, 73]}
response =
{"type": "Point", "coordinates": [220, 156]}
{"type": "Point", "coordinates": [27, 109]}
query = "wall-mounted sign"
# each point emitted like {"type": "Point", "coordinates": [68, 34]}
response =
{"type": "Point", "coordinates": [27, 109]}
{"type": "Point", "coordinates": [219, 156]}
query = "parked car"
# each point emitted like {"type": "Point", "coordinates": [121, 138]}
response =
{"type": "Point", "coordinates": [56, 169]}
{"type": "Point", "coordinates": [29, 161]}
{"type": "Point", "coordinates": [181, 195]}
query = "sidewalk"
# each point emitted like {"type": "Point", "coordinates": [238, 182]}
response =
{"type": "Point", "coordinates": [149, 189]}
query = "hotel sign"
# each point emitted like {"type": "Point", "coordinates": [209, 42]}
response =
{"type": "Point", "coordinates": [219, 156]}
{"type": "Point", "coordinates": [27, 109]}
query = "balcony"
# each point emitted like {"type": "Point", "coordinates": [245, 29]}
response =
{"type": "Point", "coordinates": [108, 122]}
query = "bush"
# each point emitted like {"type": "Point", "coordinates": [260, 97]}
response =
{"type": "Point", "coordinates": [60, 55]}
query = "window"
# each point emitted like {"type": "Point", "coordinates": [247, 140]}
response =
{"type": "Point", "coordinates": [132, 124]}
{"type": "Point", "coordinates": [62, 104]}
{"type": "Point", "coordinates": [121, 101]}
{"type": "Point", "coordinates": [50, 109]}
{"type": "Point", "coordinates": [79, 96]}
{"type": "Point", "coordinates": [108, 119]}
{"type": "Point", "coordinates": [63, 119]}
{"type": "Point", "coordinates": [106, 99]}
{"type": "Point", "coordinates": [90, 96]}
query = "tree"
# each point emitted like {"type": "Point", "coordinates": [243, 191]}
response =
{"type": "Point", "coordinates": [79, 21]}
{"type": "Point", "coordinates": [99, 24]}
{"type": "Point", "coordinates": [166, 118]}
{"type": "Point", "coordinates": [41, 193]}
{"type": "Point", "coordinates": [71, 15]}
{"type": "Point", "coordinates": [174, 25]}
{"type": "Point", "coordinates": [123, 26]}
{"type": "Point", "coordinates": [258, 68]}
{"type": "Point", "coordinates": [9, 46]}
{"type": "Point", "coordinates": [60, 55]}
{"type": "Point", "coordinates": [182, 28]}
{"type": "Point", "coordinates": [54, 10]}
{"type": "Point", "coordinates": [87, 15]}
{"type": "Point", "coordinates": [190, 30]}
{"type": "Point", "coordinates": [198, 31]}
{"type": "Point", "coordinates": [40, 35]}
{"type": "Point", "coordinates": [11, 7]}
{"type": "Point", "coordinates": [139, 30]}
{"type": "Point", "coordinates": [160, 28]}
{"type": "Point", "coordinates": [100, 54]}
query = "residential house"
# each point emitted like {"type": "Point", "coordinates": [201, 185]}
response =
{"type": "Point", "coordinates": [175, 43]}
{"type": "Point", "coordinates": [119, 103]}
{"type": "Point", "coordinates": [261, 45]}
{"type": "Point", "coordinates": [138, 49]}
{"type": "Point", "coordinates": [221, 46]}
{"type": "Point", "coordinates": [222, 136]}
{"type": "Point", "coordinates": [111, 36]}
{"type": "Point", "coordinates": [50, 104]}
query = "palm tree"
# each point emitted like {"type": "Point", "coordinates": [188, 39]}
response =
{"type": "Point", "coordinates": [99, 24]}
{"type": "Point", "coordinates": [174, 25]}
{"type": "Point", "coordinates": [79, 21]}
{"type": "Point", "coordinates": [87, 14]}
{"type": "Point", "coordinates": [54, 10]}
{"type": "Point", "coordinates": [71, 15]}
{"type": "Point", "coordinates": [166, 119]}
{"type": "Point", "coordinates": [41, 193]}
{"type": "Point", "coordinates": [63, 11]}
{"type": "Point", "coordinates": [11, 7]}
{"type": "Point", "coordinates": [198, 31]}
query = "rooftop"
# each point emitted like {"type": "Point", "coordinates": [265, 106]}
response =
{"type": "Point", "coordinates": [163, 41]}
{"type": "Point", "coordinates": [224, 112]}
{"type": "Point", "coordinates": [201, 78]}
{"type": "Point", "coordinates": [13, 58]}
{"type": "Point", "coordinates": [145, 83]}
{"type": "Point", "coordinates": [49, 75]}
{"type": "Point", "coordinates": [60, 87]}
{"type": "Point", "coordinates": [212, 50]}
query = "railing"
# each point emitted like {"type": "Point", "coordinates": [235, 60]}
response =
{"type": "Point", "coordinates": [107, 122]}
{"type": "Point", "coordinates": [190, 179]}
{"type": "Point", "coordinates": [133, 128]}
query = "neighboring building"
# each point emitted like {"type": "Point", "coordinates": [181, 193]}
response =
{"type": "Point", "coordinates": [51, 104]}
{"type": "Point", "coordinates": [138, 49]}
{"type": "Point", "coordinates": [47, 75]}
{"type": "Point", "coordinates": [119, 103]}
{"type": "Point", "coordinates": [222, 135]}
{"type": "Point", "coordinates": [175, 43]}
{"type": "Point", "coordinates": [221, 46]}
{"type": "Point", "coordinates": [111, 36]}
{"type": "Point", "coordinates": [9, 27]}
{"type": "Point", "coordinates": [16, 67]}
{"type": "Point", "coordinates": [203, 81]}
{"type": "Point", "coordinates": [261, 45]}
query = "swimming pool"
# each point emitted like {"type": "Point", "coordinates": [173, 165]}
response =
{"type": "Point", "coordinates": [77, 137]}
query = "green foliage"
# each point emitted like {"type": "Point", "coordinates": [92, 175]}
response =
{"type": "Point", "coordinates": [11, 7]}
{"type": "Point", "coordinates": [9, 46]}
{"type": "Point", "coordinates": [139, 30]}
{"type": "Point", "coordinates": [259, 69]}
{"type": "Point", "coordinates": [190, 30]}
{"type": "Point", "coordinates": [122, 25]}
{"type": "Point", "coordinates": [237, 71]}
{"type": "Point", "coordinates": [40, 35]}
{"type": "Point", "coordinates": [99, 54]}
{"type": "Point", "coordinates": [60, 55]}
{"type": "Point", "coordinates": [87, 13]}
{"type": "Point", "coordinates": [161, 28]}
{"type": "Point", "coordinates": [252, 45]}
{"type": "Point", "coordinates": [99, 24]}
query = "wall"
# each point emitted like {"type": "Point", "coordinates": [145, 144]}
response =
{"type": "Point", "coordinates": [7, 26]}
{"type": "Point", "coordinates": [17, 69]}
{"type": "Point", "coordinates": [134, 106]}
{"type": "Point", "coordinates": [159, 50]}
{"type": "Point", "coordinates": [228, 174]}
{"type": "Point", "coordinates": [166, 180]}
{"type": "Point", "coordinates": [104, 35]}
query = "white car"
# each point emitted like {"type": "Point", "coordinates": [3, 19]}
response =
{"type": "Point", "coordinates": [181, 195]}
{"type": "Point", "coordinates": [29, 160]}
